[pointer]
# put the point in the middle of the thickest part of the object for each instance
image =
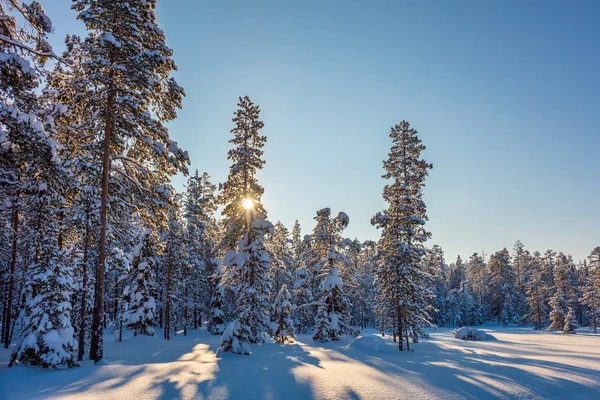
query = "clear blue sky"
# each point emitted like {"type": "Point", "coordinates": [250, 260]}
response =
{"type": "Point", "coordinates": [505, 95]}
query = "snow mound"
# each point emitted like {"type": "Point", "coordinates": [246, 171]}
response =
{"type": "Point", "coordinates": [466, 333]}
{"type": "Point", "coordinates": [369, 344]}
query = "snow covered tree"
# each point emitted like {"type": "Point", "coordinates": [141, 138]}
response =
{"type": "Point", "coordinates": [478, 281]}
{"type": "Point", "coordinates": [591, 294]}
{"type": "Point", "coordinates": [241, 184]}
{"type": "Point", "coordinates": [248, 274]}
{"type": "Point", "coordinates": [537, 294]}
{"type": "Point", "coordinates": [502, 299]}
{"type": "Point", "coordinates": [302, 297]}
{"type": "Point", "coordinates": [333, 314]}
{"type": "Point", "coordinates": [403, 285]}
{"type": "Point", "coordinates": [216, 317]}
{"type": "Point", "coordinates": [139, 303]}
{"type": "Point", "coordinates": [561, 300]}
{"type": "Point", "coordinates": [46, 332]}
{"type": "Point", "coordinates": [175, 277]}
{"type": "Point", "coordinates": [131, 95]}
{"type": "Point", "coordinates": [235, 339]}
{"type": "Point", "coordinates": [282, 259]}
{"type": "Point", "coordinates": [569, 327]}
{"type": "Point", "coordinates": [437, 268]}
{"type": "Point", "coordinates": [282, 316]}
{"type": "Point", "coordinates": [28, 146]}
{"type": "Point", "coordinates": [201, 236]}
{"type": "Point", "coordinates": [296, 239]}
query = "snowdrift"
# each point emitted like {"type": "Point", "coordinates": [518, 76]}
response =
{"type": "Point", "coordinates": [466, 333]}
{"type": "Point", "coordinates": [369, 344]}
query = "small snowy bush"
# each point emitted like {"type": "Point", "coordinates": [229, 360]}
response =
{"type": "Point", "coordinates": [234, 339]}
{"type": "Point", "coordinates": [466, 333]}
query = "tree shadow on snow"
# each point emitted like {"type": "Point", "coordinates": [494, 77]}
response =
{"type": "Point", "coordinates": [266, 373]}
{"type": "Point", "coordinates": [477, 375]}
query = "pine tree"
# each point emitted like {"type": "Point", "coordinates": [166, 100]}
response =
{"type": "Point", "coordinates": [216, 321]}
{"type": "Point", "coordinates": [235, 339]}
{"type": "Point", "coordinates": [28, 145]}
{"type": "Point", "coordinates": [46, 332]}
{"type": "Point", "coordinates": [333, 310]}
{"type": "Point", "coordinates": [333, 314]}
{"type": "Point", "coordinates": [297, 239]}
{"type": "Point", "coordinates": [502, 288]}
{"type": "Point", "coordinates": [284, 326]}
{"type": "Point", "coordinates": [139, 303]}
{"type": "Point", "coordinates": [537, 294]}
{"type": "Point", "coordinates": [302, 298]}
{"type": "Point", "coordinates": [241, 184]}
{"type": "Point", "coordinates": [569, 327]}
{"type": "Point", "coordinates": [131, 96]}
{"type": "Point", "coordinates": [591, 296]}
{"type": "Point", "coordinates": [247, 273]}
{"type": "Point", "coordinates": [282, 259]}
{"type": "Point", "coordinates": [174, 274]}
{"type": "Point", "coordinates": [437, 268]}
{"type": "Point", "coordinates": [563, 294]}
{"type": "Point", "coordinates": [402, 283]}
{"type": "Point", "coordinates": [200, 205]}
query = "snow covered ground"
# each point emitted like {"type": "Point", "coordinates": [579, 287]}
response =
{"type": "Point", "coordinates": [521, 364]}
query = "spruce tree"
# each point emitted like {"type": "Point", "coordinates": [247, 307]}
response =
{"type": "Point", "coordinates": [591, 294]}
{"type": "Point", "coordinates": [47, 336]}
{"type": "Point", "coordinates": [216, 317]}
{"type": "Point", "coordinates": [333, 313]}
{"type": "Point", "coordinates": [561, 300]}
{"type": "Point", "coordinates": [139, 302]}
{"type": "Point", "coordinates": [241, 184]}
{"type": "Point", "coordinates": [402, 282]}
{"type": "Point", "coordinates": [536, 294]}
{"type": "Point", "coordinates": [502, 288]}
{"type": "Point", "coordinates": [248, 274]}
{"type": "Point", "coordinates": [201, 233]}
{"type": "Point", "coordinates": [28, 145]}
{"type": "Point", "coordinates": [302, 298]}
{"type": "Point", "coordinates": [297, 239]}
{"type": "Point", "coordinates": [569, 327]}
{"type": "Point", "coordinates": [282, 316]}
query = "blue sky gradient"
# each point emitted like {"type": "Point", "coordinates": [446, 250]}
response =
{"type": "Point", "coordinates": [505, 95]}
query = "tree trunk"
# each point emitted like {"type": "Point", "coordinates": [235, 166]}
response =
{"type": "Point", "coordinates": [11, 282]}
{"type": "Point", "coordinates": [116, 299]}
{"type": "Point", "coordinates": [96, 347]}
{"type": "Point", "coordinates": [195, 317]}
{"type": "Point", "coordinates": [168, 298]}
{"type": "Point", "coordinates": [400, 329]}
{"type": "Point", "coordinates": [185, 313]}
{"type": "Point", "coordinates": [81, 349]}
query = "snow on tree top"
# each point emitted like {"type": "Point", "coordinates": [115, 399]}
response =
{"type": "Point", "coordinates": [324, 211]}
{"type": "Point", "coordinates": [343, 217]}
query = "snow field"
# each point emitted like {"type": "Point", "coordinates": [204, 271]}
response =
{"type": "Point", "coordinates": [520, 364]}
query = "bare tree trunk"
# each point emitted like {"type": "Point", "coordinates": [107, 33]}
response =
{"type": "Point", "coordinates": [96, 346]}
{"type": "Point", "coordinates": [6, 331]}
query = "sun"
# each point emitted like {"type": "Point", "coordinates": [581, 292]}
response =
{"type": "Point", "coordinates": [248, 203]}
